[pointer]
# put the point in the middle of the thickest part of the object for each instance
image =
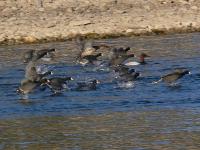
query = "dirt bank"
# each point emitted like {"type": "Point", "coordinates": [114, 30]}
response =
{"type": "Point", "coordinates": [48, 20]}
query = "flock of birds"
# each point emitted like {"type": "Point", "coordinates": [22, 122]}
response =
{"type": "Point", "coordinates": [119, 62]}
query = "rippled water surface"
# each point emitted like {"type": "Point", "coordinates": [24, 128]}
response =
{"type": "Point", "coordinates": [145, 116]}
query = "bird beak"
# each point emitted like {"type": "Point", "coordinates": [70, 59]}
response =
{"type": "Point", "coordinates": [98, 81]}
{"type": "Point", "coordinates": [189, 72]}
{"type": "Point", "coordinates": [71, 79]}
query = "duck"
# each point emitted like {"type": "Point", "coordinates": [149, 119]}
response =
{"type": "Point", "coordinates": [141, 62]}
{"type": "Point", "coordinates": [126, 73]}
{"type": "Point", "coordinates": [174, 76]}
{"type": "Point", "coordinates": [88, 51]}
{"type": "Point", "coordinates": [85, 86]}
{"type": "Point", "coordinates": [127, 78]}
{"type": "Point", "coordinates": [57, 84]}
{"type": "Point", "coordinates": [86, 48]}
{"type": "Point", "coordinates": [34, 55]}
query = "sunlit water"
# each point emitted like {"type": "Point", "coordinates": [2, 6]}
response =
{"type": "Point", "coordinates": [141, 116]}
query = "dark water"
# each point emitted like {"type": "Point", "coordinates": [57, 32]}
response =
{"type": "Point", "coordinates": [146, 116]}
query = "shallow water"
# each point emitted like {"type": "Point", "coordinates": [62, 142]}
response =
{"type": "Point", "coordinates": [145, 116]}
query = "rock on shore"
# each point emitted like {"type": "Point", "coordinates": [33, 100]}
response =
{"type": "Point", "coordinates": [28, 21]}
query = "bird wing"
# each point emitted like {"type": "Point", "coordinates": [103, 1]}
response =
{"type": "Point", "coordinates": [171, 77]}
{"type": "Point", "coordinates": [41, 53]}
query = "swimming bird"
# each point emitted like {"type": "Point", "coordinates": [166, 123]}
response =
{"type": "Point", "coordinates": [127, 77]}
{"type": "Point", "coordinates": [57, 84]}
{"type": "Point", "coordinates": [174, 76]}
{"type": "Point", "coordinates": [85, 86]}
{"type": "Point", "coordinates": [34, 55]}
{"type": "Point", "coordinates": [86, 48]}
{"type": "Point", "coordinates": [125, 73]}
{"type": "Point", "coordinates": [88, 51]}
{"type": "Point", "coordinates": [141, 62]}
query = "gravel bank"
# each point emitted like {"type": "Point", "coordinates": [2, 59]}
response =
{"type": "Point", "coordinates": [29, 21]}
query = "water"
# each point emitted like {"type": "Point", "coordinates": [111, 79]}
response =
{"type": "Point", "coordinates": [145, 116]}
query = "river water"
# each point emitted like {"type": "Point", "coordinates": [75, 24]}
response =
{"type": "Point", "coordinates": [143, 117]}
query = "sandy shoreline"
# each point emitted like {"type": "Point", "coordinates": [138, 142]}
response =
{"type": "Point", "coordinates": [30, 21]}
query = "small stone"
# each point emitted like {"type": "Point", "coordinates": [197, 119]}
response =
{"type": "Point", "coordinates": [6, 10]}
{"type": "Point", "coordinates": [17, 37]}
{"type": "Point", "coordinates": [12, 19]}
{"type": "Point", "coordinates": [129, 30]}
{"type": "Point", "coordinates": [41, 9]}
{"type": "Point", "coordinates": [194, 7]}
{"type": "Point", "coordinates": [121, 11]}
{"type": "Point", "coordinates": [2, 3]}
{"type": "Point", "coordinates": [29, 39]}
{"type": "Point", "coordinates": [163, 2]}
{"type": "Point", "coordinates": [147, 7]}
{"type": "Point", "coordinates": [14, 8]}
{"type": "Point", "coordinates": [81, 22]}
{"type": "Point", "coordinates": [70, 9]}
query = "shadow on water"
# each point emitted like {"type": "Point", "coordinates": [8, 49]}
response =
{"type": "Point", "coordinates": [118, 115]}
